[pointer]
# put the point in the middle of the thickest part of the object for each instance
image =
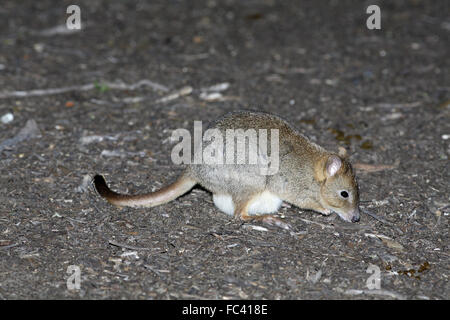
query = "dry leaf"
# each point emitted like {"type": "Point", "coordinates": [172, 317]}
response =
{"type": "Point", "coordinates": [392, 244]}
{"type": "Point", "coordinates": [365, 167]}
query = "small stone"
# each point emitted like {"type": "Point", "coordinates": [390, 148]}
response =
{"type": "Point", "coordinates": [7, 118]}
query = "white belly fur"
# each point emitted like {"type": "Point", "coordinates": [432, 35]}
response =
{"type": "Point", "coordinates": [224, 203]}
{"type": "Point", "coordinates": [265, 202]}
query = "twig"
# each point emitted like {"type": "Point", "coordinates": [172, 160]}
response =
{"type": "Point", "coordinates": [86, 87]}
{"type": "Point", "coordinates": [126, 246]}
{"type": "Point", "coordinates": [57, 30]}
{"type": "Point", "coordinates": [379, 292]}
{"type": "Point", "coordinates": [9, 246]}
{"type": "Point", "coordinates": [375, 167]}
{"type": "Point", "coordinates": [377, 236]}
{"type": "Point", "coordinates": [319, 224]}
{"type": "Point", "coordinates": [253, 227]}
{"type": "Point", "coordinates": [157, 272]}
{"type": "Point", "coordinates": [217, 87]}
{"type": "Point", "coordinates": [441, 252]}
{"type": "Point", "coordinates": [376, 217]}
{"type": "Point", "coordinates": [398, 105]}
{"type": "Point", "coordinates": [175, 95]}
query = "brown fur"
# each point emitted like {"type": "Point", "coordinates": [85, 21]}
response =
{"type": "Point", "coordinates": [303, 178]}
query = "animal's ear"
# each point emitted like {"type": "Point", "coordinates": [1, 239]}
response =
{"type": "Point", "coordinates": [333, 165]}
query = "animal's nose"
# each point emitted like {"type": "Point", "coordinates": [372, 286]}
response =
{"type": "Point", "coordinates": [355, 216]}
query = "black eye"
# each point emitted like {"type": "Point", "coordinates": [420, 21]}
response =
{"type": "Point", "coordinates": [344, 194]}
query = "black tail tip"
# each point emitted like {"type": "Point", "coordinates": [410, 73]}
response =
{"type": "Point", "coordinates": [99, 179]}
{"type": "Point", "coordinates": [100, 184]}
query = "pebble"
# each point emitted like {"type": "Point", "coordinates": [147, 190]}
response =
{"type": "Point", "coordinates": [7, 118]}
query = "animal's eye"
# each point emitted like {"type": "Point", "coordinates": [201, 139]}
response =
{"type": "Point", "coordinates": [344, 194]}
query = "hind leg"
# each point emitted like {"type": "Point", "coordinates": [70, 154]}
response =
{"type": "Point", "coordinates": [242, 213]}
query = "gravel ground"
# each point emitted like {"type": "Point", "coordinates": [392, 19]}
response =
{"type": "Point", "coordinates": [139, 69]}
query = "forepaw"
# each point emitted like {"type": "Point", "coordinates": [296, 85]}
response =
{"type": "Point", "coordinates": [325, 212]}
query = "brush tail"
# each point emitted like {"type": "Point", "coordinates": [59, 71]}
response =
{"type": "Point", "coordinates": [152, 199]}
